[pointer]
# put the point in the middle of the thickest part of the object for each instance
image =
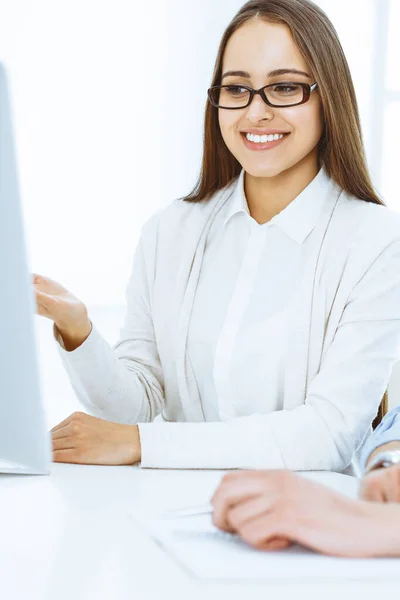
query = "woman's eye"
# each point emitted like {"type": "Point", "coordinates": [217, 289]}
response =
{"type": "Point", "coordinates": [235, 90]}
{"type": "Point", "coordinates": [286, 89]}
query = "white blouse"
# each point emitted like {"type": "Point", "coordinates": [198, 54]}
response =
{"type": "Point", "coordinates": [237, 338]}
{"type": "Point", "coordinates": [247, 345]}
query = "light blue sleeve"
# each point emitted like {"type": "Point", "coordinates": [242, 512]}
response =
{"type": "Point", "coordinates": [387, 431]}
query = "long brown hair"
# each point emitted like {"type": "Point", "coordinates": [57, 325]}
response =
{"type": "Point", "coordinates": [382, 410]}
{"type": "Point", "coordinates": [341, 149]}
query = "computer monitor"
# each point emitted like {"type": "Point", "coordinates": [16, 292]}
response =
{"type": "Point", "coordinates": [25, 444]}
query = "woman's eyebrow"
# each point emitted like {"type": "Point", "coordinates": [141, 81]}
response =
{"type": "Point", "coordinates": [274, 73]}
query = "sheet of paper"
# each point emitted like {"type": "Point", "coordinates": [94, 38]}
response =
{"type": "Point", "coordinates": [207, 553]}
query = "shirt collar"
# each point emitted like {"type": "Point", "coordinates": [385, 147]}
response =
{"type": "Point", "coordinates": [299, 218]}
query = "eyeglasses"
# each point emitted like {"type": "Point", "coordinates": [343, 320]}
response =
{"type": "Point", "coordinates": [236, 96]}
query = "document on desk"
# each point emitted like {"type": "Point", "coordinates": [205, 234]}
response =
{"type": "Point", "coordinates": [210, 554]}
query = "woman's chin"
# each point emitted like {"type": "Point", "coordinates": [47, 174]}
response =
{"type": "Point", "coordinates": [265, 170]}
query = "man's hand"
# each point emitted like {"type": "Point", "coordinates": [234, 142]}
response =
{"type": "Point", "coordinates": [83, 439]}
{"type": "Point", "coordinates": [381, 485]}
{"type": "Point", "coordinates": [272, 509]}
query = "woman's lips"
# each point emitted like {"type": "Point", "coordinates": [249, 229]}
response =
{"type": "Point", "coordinates": [260, 146]}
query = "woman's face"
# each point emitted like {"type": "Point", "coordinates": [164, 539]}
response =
{"type": "Point", "coordinates": [257, 48]}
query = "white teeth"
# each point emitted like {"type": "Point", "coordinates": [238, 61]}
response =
{"type": "Point", "coordinates": [262, 139]}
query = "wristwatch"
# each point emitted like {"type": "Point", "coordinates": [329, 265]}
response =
{"type": "Point", "coordinates": [384, 459]}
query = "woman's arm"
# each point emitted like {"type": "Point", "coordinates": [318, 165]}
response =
{"type": "Point", "coordinates": [123, 383]}
{"type": "Point", "coordinates": [340, 404]}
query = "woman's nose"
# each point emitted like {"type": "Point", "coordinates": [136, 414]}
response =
{"type": "Point", "coordinates": [258, 109]}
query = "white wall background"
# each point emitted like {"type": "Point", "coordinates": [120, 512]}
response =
{"type": "Point", "coordinates": [88, 132]}
{"type": "Point", "coordinates": [108, 100]}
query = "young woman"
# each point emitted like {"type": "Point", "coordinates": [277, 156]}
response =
{"type": "Point", "coordinates": [263, 310]}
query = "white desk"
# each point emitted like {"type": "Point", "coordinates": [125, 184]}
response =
{"type": "Point", "coordinates": [69, 536]}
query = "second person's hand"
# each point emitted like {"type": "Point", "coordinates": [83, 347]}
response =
{"type": "Point", "coordinates": [381, 485]}
{"type": "Point", "coordinates": [267, 508]}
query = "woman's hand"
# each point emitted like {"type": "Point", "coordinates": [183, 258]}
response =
{"type": "Point", "coordinates": [58, 304]}
{"type": "Point", "coordinates": [68, 313]}
{"type": "Point", "coordinates": [83, 439]}
{"type": "Point", "coordinates": [272, 509]}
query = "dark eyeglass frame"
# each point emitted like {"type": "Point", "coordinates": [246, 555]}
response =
{"type": "Point", "coordinates": [307, 89]}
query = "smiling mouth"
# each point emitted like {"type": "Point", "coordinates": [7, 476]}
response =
{"type": "Point", "coordinates": [263, 138]}
{"type": "Point", "coordinates": [263, 142]}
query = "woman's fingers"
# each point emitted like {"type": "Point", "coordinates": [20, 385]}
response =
{"type": "Point", "coordinates": [44, 299]}
{"type": "Point", "coordinates": [47, 285]}
{"type": "Point", "coordinates": [64, 443]}
{"type": "Point", "coordinates": [67, 455]}
{"type": "Point", "coordinates": [45, 304]}
{"type": "Point", "coordinates": [62, 432]}
{"type": "Point", "coordinates": [76, 416]}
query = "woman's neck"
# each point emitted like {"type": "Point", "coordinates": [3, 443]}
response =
{"type": "Point", "coordinates": [268, 196]}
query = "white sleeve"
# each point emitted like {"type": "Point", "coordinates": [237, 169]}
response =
{"type": "Point", "coordinates": [340, 404]}
{"type": "Point", "coordinates": [123, 383]}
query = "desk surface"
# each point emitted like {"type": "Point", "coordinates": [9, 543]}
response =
{"type": "Point", "coordinates": [69, 535]}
